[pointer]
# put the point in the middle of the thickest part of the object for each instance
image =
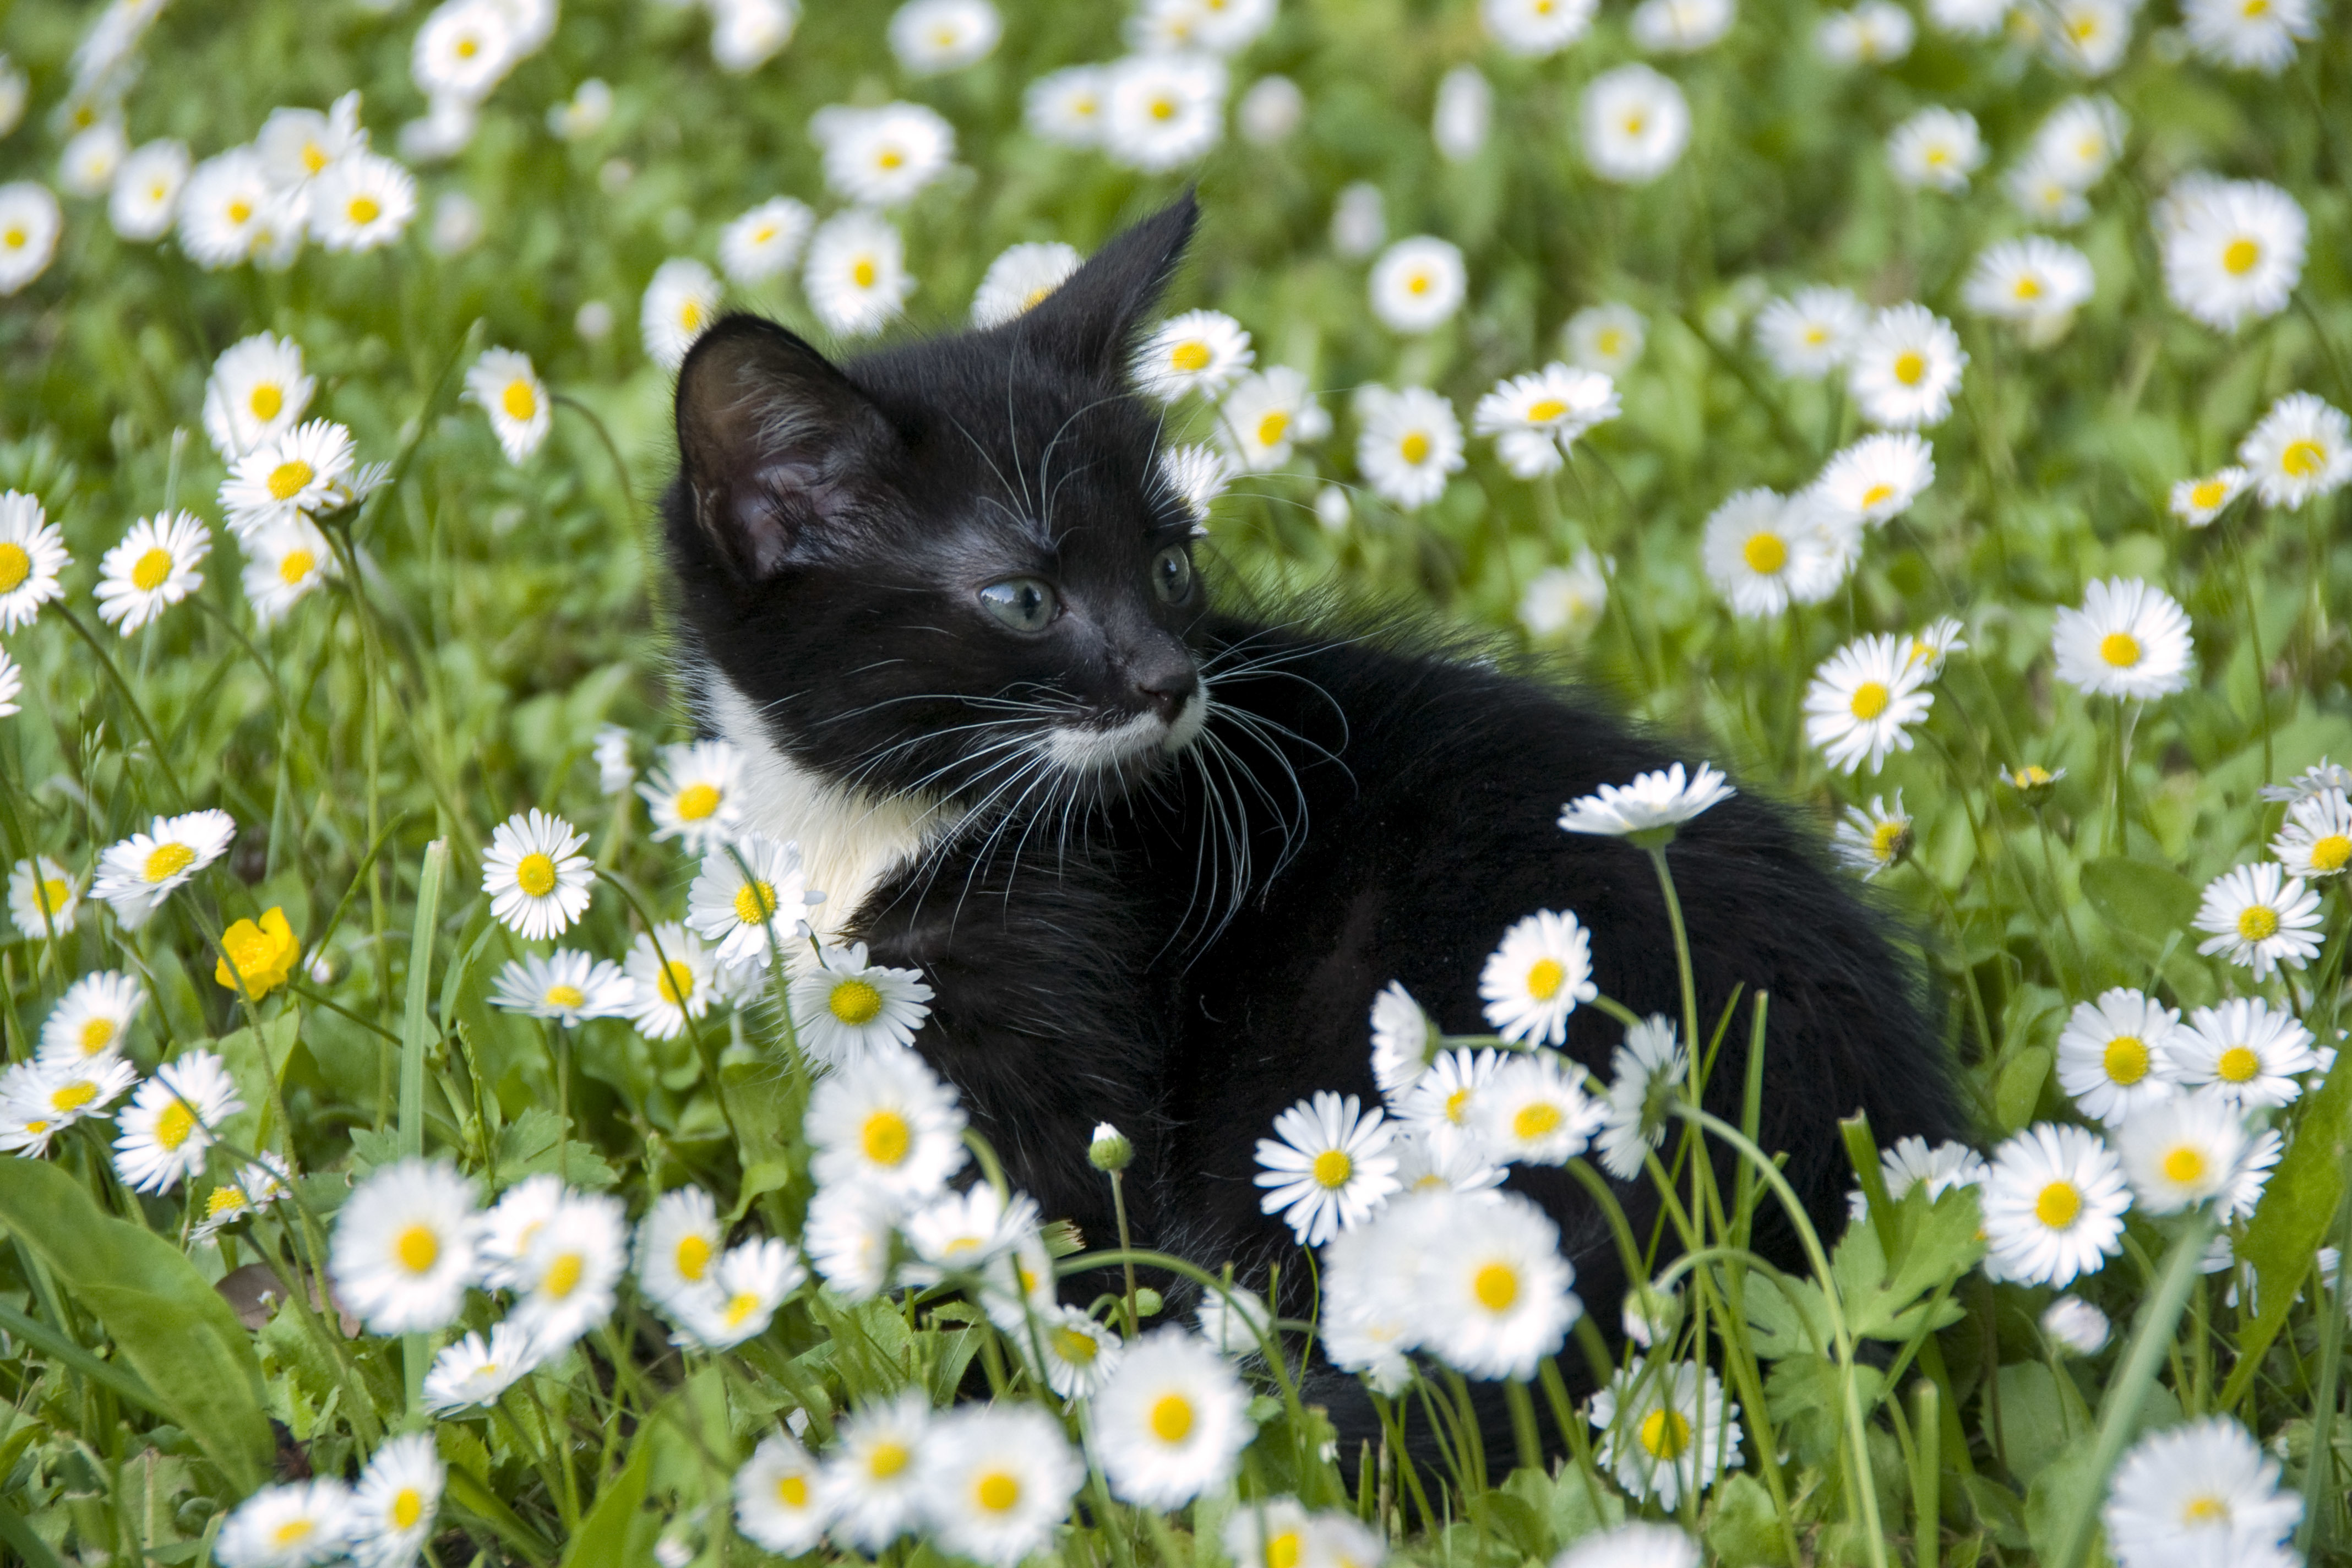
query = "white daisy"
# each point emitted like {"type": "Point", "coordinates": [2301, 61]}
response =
{"type": "Point", "coordinates": [1066, 106]}
{"type": "Point", "coordinates": [2261, 917]}
{"type": "Point", "coordinates": [1905, 367]}
{"type": "Point", "coordinates": [1873, 837]}
{"type": "Point", "coordinates": [616, 771]}
{"type": "Point", "coordinates": [511, 394]}
{"type": "Point", "coordinates": [475, 1370]}
{"type": "Point", "coordinates": [2054, 1201]}
{"type": "Point", "coordinates": [11, 684]}
{"type": "Point", "coordinates": [2318, 779]}
{"type": "Point", "coordinates": [2127, 640]}
{"type": "Point", "coordinates": [285, 562]}
{"type": "Point", "coordinates": [1663, 798]}
{"type": "Point", "coordinates": [849, 1237]}
{"type": "Point", "coordinates": [1537, 28]}
{"type": "Point", "coordinates": [1669, 1431]}
{"type": "Point", "coordinates": [93, 1019]}
{"type": "Point", "coordinates": [463, 49]}
{"type": "Point", "coordinates": [504, 1236]}
{"type": "Point", "coordinates": [1268, 1533]}
{"type": "Point", "coordinates": [1605, 338]}
{"type": "Point", "coordinates": [1936, 149]}
{"type": "Point", "coordinates": [1862, 701]}
{"type": "Point", "coordinates": [2302, 449]}
{"type": "Point", "coordinates": [882, 157]}
{"type": "Point", "coordinates": [1680, 27]}
{"type": "Point", "coordinates": [2249, 34]}
{"type": "Point", "coordinates": [1019, 279]}
{"type": "Point", "coordinates": [1534, 980]}
{"type": "Point", "coordinates": [1407, 444]}
{"type": "Point", "coordinates": [1535, 417]}
{"type": "Point", "coordinates": [670, 978]}
{"type": "Point", "coordinates": [1567, 600]}
{"type": "Point", "coordinates": [962, 1233]}
{"type": "Point", "coordinates": [1763, 553]}
{"type": "Point", "coordinates": [2244, 1051]}
{"type": "Point", "coordinates": [2316, 838]}
{"type": "Point", "coordinates": [1810, 334]}
{"type": "Point", "coordinates": [998, 1481]}
{"type": "Point", "coordinates": [2043, 196]}
{"type": "Point", "coordinates": [1441, 1160]}
{"type": "Point", "coordinates": [1195, 474]}
{"type": "Point", "coordinates": [1170, 1422]}
{"type": "Point", "coordinates": [2091, 37]}
{"type": "Point", "coordinates": [2180, 1152]}
{"type": "Point", "coordinates": [736, 908]}
{"type": "Point", "coordinates": [91, 158]}
{"type": "Point", "coordinates": [678, 1246]}
{"type": "Point", "coordinates": [2078, 141]}
{"type": "Point", "coordinates": [1360, 220]}
{"type": "Point", "coordinates": [884, 1120]}
{"type": "Point", "coordinates": [588, 110]}
{"type": "Point", "coordinates": [1404, 1040]}
{"type": "Point", "coordinates": [776, 1501]}
{"type": "Point", "coordinates": [680, 303]}
{"type": "Point", "coordinates": [1160, 111]}
{"type": "Point", "coordinates": [1633, 125]}
{"type": "Point", "coordinates": [872, 1482]}
{"type": "Point", "coordinates": [1534, 1113]}
{"type": "Point", "coordinates": [248, 1193]}
{"type": "Point", "coordinates": [361, 202]}
{"type": "Point", "coordinates": [1463, 114]}
{"type": "Point", "coordinates": [43, 899]}
{"type": "Point", "coordinates": [288, 1526]}
{"type": "Point", "coordinates": [764, 241]}
{"type": "Point", "coordinates": [1418, 284]}
{"type": "Point", "coordinates": [1644, 1074]}
{"type": "Point", "coordinates": [172, 1120]}
{"type": "Point", "coordinates": [1236, 1320]}
{"type": "Point", "coordinates": [1200, 350]}
{"type": "Point", "coordinates": [747, 34]}
{"type": "Point", "coordinates": [1370, 1280]}
{"type": "Point", "coordinates": [1874, 33]}
{"type": "Point", "coordinates": [1446, 1096]}
{"type": "Point", "coordinates": [565, 1282]}
{"type": "Point", "coordinates": [2115, 1055]}
{"type": "Point", "coordinates": [537, 879]}
{"type": "Point", "coordinates": [693, 794]}
{"type": "Point", "coordinates": [32, 553]}
{"type": "Point", "coordinates": [297, 473]}
{"type": "Point", "coordinates": [934, 35]}
{"type": "Point", "coordinates": [1267, 413]}
{"type": "Point", "coordinates": [1913, 1161]}
{"type": "Point", "coordinates": [395, 1504]}
{"type": "Point", "coordinates": [146, 194]}
{"type": "Point", "coordinates": [1878, 477]}
{"type": "Point", "coordinates": [2198, 501]}
{"type": "Point", "coordinates": [404, 1247]}
{"type": "Point", "coordinates": [1220, 27]}
{"type": "Point", "coordinates": [856, 274]}
{"type": "Point", "coordinates": [1634, 1544]}
{"type": "Point", "coordinates": [137, 875]}
{"type": "Point", "coordinates": [61, 1092]}
{"type": "Point", "coordinates": [2073, 1325]}
{"type": "Point", "coordinates": [847, 1009]}
{"type": "Point", "coordinates": [2033, 783]}
{"type": "Point", "coordinates": [2204, 1492]}
{"type": "Point", "coordinates": [2234, 249]}
{"type": "Point", "coordinates": [1078, 1354]}
{"type": "Point", "coordinates": [1331, 1167]}
{"type": "Point", "coordinates": [2035, 281]}
{"type": "Point", "coordinates": [257, 391]}
{"type": "Point", "coordinates": [30, 222]}
{"type": "Point", "coordinates": [224, 207]}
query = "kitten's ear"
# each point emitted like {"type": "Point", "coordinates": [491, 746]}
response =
{"type": "Point", "coordinates": [1088, 323]}
{"type": "Point", "coordinates": [774, 441]}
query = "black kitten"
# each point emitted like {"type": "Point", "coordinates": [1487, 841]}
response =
{"type": "Point", "coordinates": [1155, 859]}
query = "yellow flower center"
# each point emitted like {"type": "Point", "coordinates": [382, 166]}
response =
{"type": "Point", "coordinates": [296, 567]}
{"type": "Point", "coordinates": [2258, 922]}
{"type": "Point", "coordinates": [2058, 1205]}
{"type": "Point", "coordinates": [886, 1137]}
{"type": "Point", "coordinates": [535, 875]}
{"type": "Point", "coordinates": [1164, 108]}
{"type": "Point", "coordinates": [754, 902]}
{"type": "Point", "coordinates": [418, 1248]}
{"type": "Point", "coordinates": [166, 861]}
{"type": "Point", "coordinates": [1666, 1434]}
{"type": "Point", "coordinates": [2238, 1065]}
{"type": "Point", "coordinates": [1910, 367]}
{"type": "Point", "coordinates": [363, 210]}
{"type": "Point", "coordinates": [1816, 335]}
{"type": "Point", "coordinates": [2205, 1511]}
{"type": "Point", "coordinates": [519, 401]}
{"type": "Point", "coordinates": [1540, 1119]}
{"type": "Point", "coordinates": [2125, 1061]}
{"type": "Point", "coordinates": [2208, 494]}
{"type": "Point", "coordinates": [566, 996]}
{"type": "Point", "coordinates": [562, 1277]}
{"type": "Point", "coordinates": [266, 400]}
{"type": "Point", "coordinates": [1171, 1418]}
{"type": "Point", "coordinates": [1419, 283]}
{"type": "Point", "coordinates": [2184, 1165]}
{"type": "Point", "coordinates": [793, 1491]}
{"type": "Point", "coordinates": [2028, 287]}
{"type": "Point", "coordinates": [225, 1200]}
{"type": "Point", "coordinates": [890, 158]}
{"type": "Point", "coordinates": [1764, 554]}
{"type": "Point", "coordinates": [997, 1492]}
{"type": "Point", "coordinates": [173, 1128]}
{"type": "Point", "coordinates": [764, 233]}
{"type": "Point", "coordinates": [2303, 458]}
{"type": "Point", "coordinates": [1457, 1105]}
{"type": "Point", "coordinates": [407, 1508]}
{"type": "Point", "coordinates": [2328, 853]}
{"type": "Point", "coordinates": [151, 570]}
{"type": "Point", "coordinates": [1190, 356]}
{"type": "Point", "coordinates": [1077, 1348]}
{"type": "Point", "coordinates": [468, 47]}
{"type": "Point", "coordinates": [886, 1459]}
{"type": "Point", "coordinates": [14, 239]}
{"type": "Point", "coordinates": [239, 210]}
{"type": "Point", "coordinates": [2240, 255]}
{"type": "Point", "coordinates": [1633, 123]}
{"type": "Point", "coordinates": [855, 1002]}
{"type": "Point", "coordinates": [1282, 1551]}
{"type": "Point", "coordinates": [1415, 447]}
{"type": "Point", "coordinates": [1270, 427]}
{"type": "Point", "coordinates": [1887, 838]}
{"type": "Point", "coordinates": [676, 983]}
{"type": "Point", "coordinates": [1876, 494]}
{"type": "Point", "coordinates": [15, 566]}
{"type": "Point", "coordinates": [692, 1257]}
{"type": "Point", "coordinates": [96, 1036]}
{"type": "Point", "coordinates": [690, 316]}
{"type": "Point", "coordinates": [287, 479]}
{"type": "Point", "coordinates": [68, 1098]}
{"type": "Point", "coordinates": [2120, 648]}
{"type": "Point", "coordinates": [697, 801]}
{"type": "Point", "coordinates": [1496, 1285]}
{"type": "Point", "coordinates": [1869, 699]}
{"type": "Point", "coordinates": [294, 1532]}
{"type": "Point", "coordinates": [1938, 155]}
{"type": "Point", "coordinates": [864, 272]}
{"type": "Point", "coordinates": [1332, 1168]}
{"type": "Point", "coordinates": [1611, 342]}
{"type": "Point", "coordinates": [1545, 977]}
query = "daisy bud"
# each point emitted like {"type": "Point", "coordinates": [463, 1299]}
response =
{"type": "Point", "coordinates": [2073, 1324]}
{"type": "Point", "coordinates": [1651, 1315]}
{"type": "Point", "coordinates": [1111, 1150]}
{"type": "Point", "coordinates": [2033, 783]}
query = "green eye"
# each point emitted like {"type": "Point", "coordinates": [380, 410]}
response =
{"type": "Point", "coordinates": [1024, 604]}
{"type": "Point", "coordinates": [1171, 574]}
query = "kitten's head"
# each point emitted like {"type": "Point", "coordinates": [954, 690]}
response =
{"type": "Point", "coordinates": [951, 568]}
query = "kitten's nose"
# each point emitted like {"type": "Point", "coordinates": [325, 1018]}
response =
{"type": "Point", "coordinates": [1164, 676]}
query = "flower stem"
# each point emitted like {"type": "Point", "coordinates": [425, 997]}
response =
{"type": "Point", "coordinates": [1682, 952]}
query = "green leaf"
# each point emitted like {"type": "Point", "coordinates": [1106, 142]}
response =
{"type": "Point", "coordinates": [2297, 1207]}
{"type": "Point", "coordinates": [2057, 1494]}
{"type": "Point", "coordinates": [1745, 1531]}
{"type": "Point", "coordinates": [532, 1144]}
{"type": "Point", "coordinates": [171, 1326]}
{"type": "Point", "coordinates": [2152, 902]}
{"type": "Point", "coordinates": [604, 1537]}
{"type": "Point", "coordinates": [2039, 1417]}
{"type": "Point", "coordinates": [1934, 1245]}
{"type": "Point", "coordinates": [2019, 1089]}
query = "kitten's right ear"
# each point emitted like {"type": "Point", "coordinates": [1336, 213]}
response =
{"type": "Point", "coordinates": [774, 441]}
{"type": "Point", "coordinates": [1088, 323]}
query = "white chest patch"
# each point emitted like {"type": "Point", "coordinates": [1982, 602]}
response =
{"type": "Point", "coordinates": [851, 842]}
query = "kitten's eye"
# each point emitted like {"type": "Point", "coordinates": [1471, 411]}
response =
{"type": "Point", "coordinates": [1024, 604]}
{"type": "Point", "coordinates": [1171, 574]}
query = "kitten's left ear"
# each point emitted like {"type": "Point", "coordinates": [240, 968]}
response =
{"type": "Point", "coordinates": [775, 440]}
{"type": "Point", "coordinates": [1088, 323]}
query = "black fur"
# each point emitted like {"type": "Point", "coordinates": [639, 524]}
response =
{"type": "Point", "coordinates": [1186, 945]}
